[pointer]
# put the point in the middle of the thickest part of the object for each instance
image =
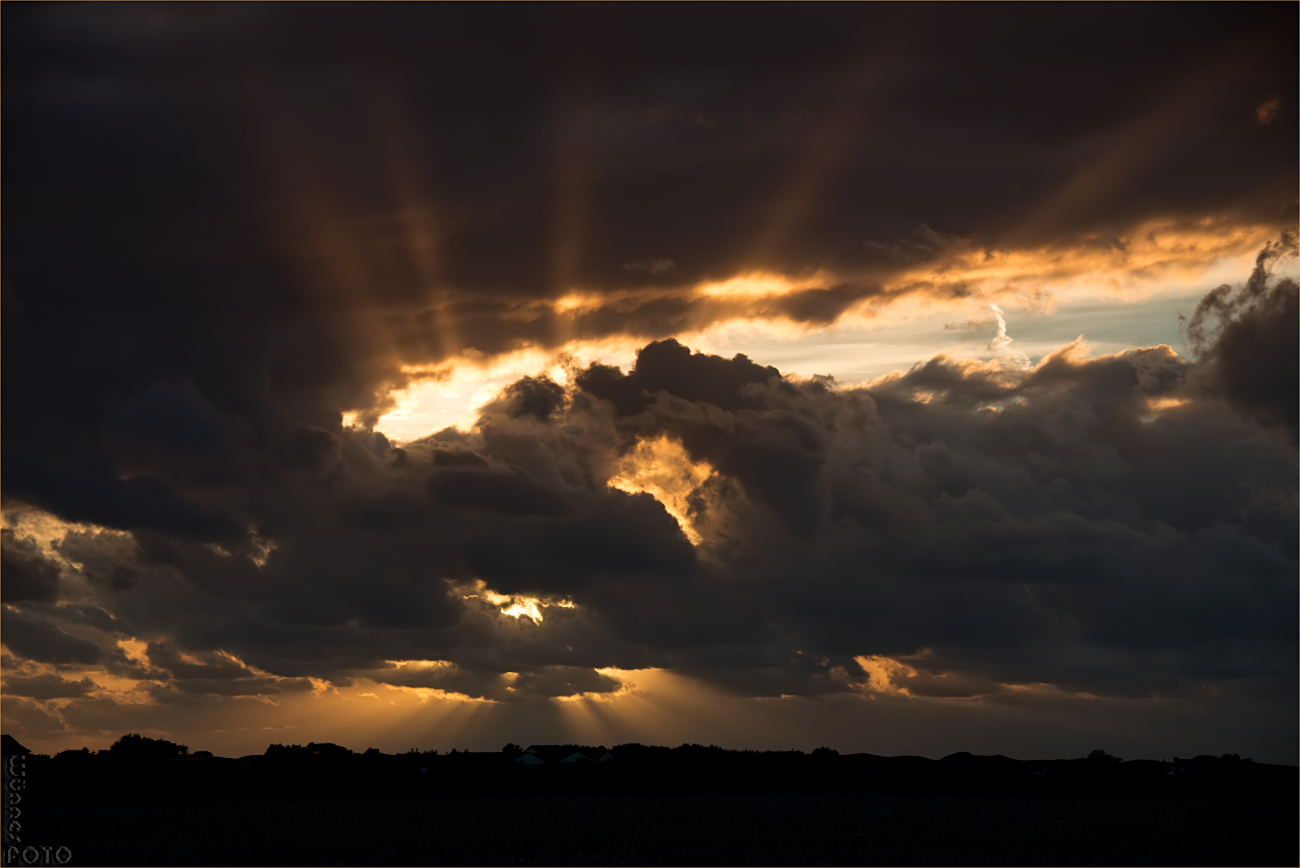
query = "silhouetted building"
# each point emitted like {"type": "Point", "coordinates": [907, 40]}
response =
{"type": "Point", "coordinates": [558, 756]}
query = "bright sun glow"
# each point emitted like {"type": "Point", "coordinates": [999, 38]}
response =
{"type": "Point", "coordinates": [758, 284]}
{"type": "Point", "coordinates": [514, 606]}
{"type": "Point", "coordinates": [452, 393]}
{"type": "Point", "coordinates": [1158, 404]}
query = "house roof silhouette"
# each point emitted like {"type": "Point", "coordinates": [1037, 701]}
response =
{"type": "Point", "coordinates": [559, 754]}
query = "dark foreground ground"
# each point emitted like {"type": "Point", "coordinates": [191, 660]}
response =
{"type": "Point", "coordinates": [660, 829]}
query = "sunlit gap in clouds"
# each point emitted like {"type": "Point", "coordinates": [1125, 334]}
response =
{"type": "Point", "coordinates": [511, 605]}
{"type": "Point", "coordinates": [650, 706]}
{"type": "Point", "coordinates": [451, 394]}
{"type": "Point", "coordinates": [761, 284]}
{"type": "Point", "coordinates": [753, 284]}
{"type": "Point", "coordinates": [392, 716]}
{"type": "Point", "coordinates": [1119, 292]}
{"type": "Point", "coordinates": [1124, 293]}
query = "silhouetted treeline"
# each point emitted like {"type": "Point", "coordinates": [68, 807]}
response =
{"type": "Point", "coordinates": [141, 768]}
{"type": "Point", "coordinates": [323, 803]}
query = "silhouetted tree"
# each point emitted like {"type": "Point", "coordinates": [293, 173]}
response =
{"type": "Point", "coordinates": [285, 751]}
{"type": "Point", "coordinates": [328, 751]}
{"type": "Point", "coordinates": [136, 745]}
{"type": "Point", "coordinates": [313, 751]}
{"type": "Point", "coordinates": [1101, 758]}
{"type": "Point", "coordinates": [513, 750]}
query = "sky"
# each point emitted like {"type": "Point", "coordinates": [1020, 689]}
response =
{"type": "Point", "coordinates": [900, 378]}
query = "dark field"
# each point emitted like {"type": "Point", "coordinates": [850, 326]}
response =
{"type": "Point", "coordinates": [697, 829]}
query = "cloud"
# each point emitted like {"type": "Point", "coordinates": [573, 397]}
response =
{"type": "Point", "coordinates": [387, 262]}
{"type": "Point", "coordinates": [48, 686]}
{"type": "Point", "coordinates": [1268, 110]}
{"type": "Point", "coordinates": [922, 245]}
{"type": "Point", "coordinates": [189, 322]}
{"type": "Point", "coordinates": [27, 574]}
{"type": "Point", "coordinates": [529, 684]}
{"type": "Point", "coordinates": [26, 716]}
{"type": "Point", "coordinates": [38, 639]}
{"type": "Point", "coordinates": [534, 396]}
{"type": "Point", "coordinates": [1080, 523]}
{"type": "Point", "coordinates": [1247, 341]}
{"type": "Point", "coordinates": [669, 366]}
{"type": "Point", "coordinates": [1000, 346]}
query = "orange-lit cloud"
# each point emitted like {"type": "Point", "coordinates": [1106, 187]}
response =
{"type": "Point", "coordinates": [1267, 111]}
{"type": "Point", "coordinates": [1154, 258]}
{"type": "Point", "coordinates": [882, 673]}
{"type": "Point", "coordinates": [451, 393]}
{"type": "Point", "coordinates": [1151, 258]}
{"type": "Point", "coordinates": [662, 469]}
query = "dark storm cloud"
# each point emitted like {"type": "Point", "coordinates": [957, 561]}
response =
{"type": "Point", "coordinates": [230, 223]}
{"type": "Point", "coordinates": [1247, 337]}
{"type": "Point", "coordinates": [47, 687]}
{"type": "Point", "coordinates": [246, 219]}
{"type": "Point", "coordinates": [39, 640]}
{"type": "Point", "coordinates": [1103, 524]}
{"type": "Point", "coordinates": [669, 366]}
{"type": "Point", "coordinates": [275, 178]}
{"type": "Point", "coordinates": [508, 493]}
{"type": "Point", "coordinates": [27, 574]}
{"type": "Point", "coordinates": [525, 685]}
{"type": "Point", "coordinates": [534, 396]}
{"type": "Point", "coordinates": [184, 690]}
{"type": "Point", "coordinates": [1067, 518]}
{"type": "Point", "coordinates": [144, 501]}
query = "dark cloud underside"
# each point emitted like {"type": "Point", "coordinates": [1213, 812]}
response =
{"type": "Point", "coordinates": [229, 224]}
